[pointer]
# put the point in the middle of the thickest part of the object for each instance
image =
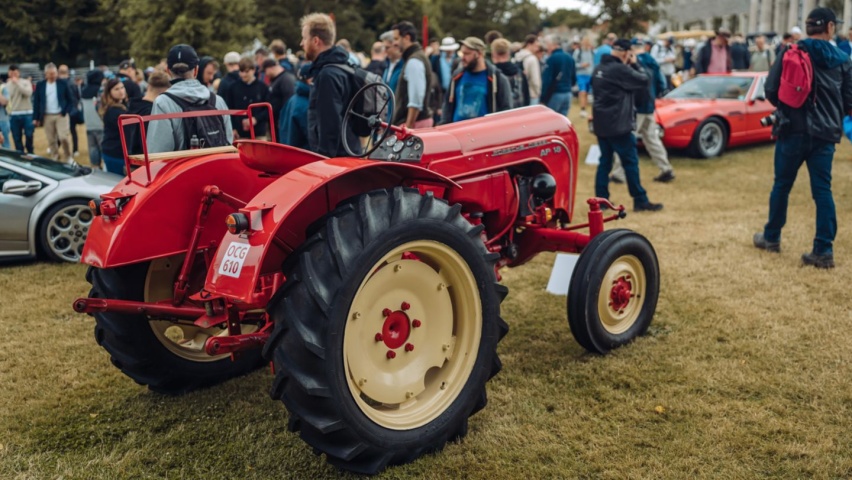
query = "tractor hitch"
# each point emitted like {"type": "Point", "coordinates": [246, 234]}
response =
{"type": "Point", "coordinates": [236, 343]}
{"type": "Point", "coordinates": [160, 310]}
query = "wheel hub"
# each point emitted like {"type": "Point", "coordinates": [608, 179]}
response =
{"type": "Point", "coordinates": [396, 330]}
{"type": "Point", "coordinates": [620, 294]}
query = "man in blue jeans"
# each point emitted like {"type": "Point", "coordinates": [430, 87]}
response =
{"type": "Point", "coordinates": [558, 78]}
{"type": "Point", "coordinates": [808, 135]}
{"type": "Point", "coordinates": [615, 82]}
{"type": "Point", "coordinates": [20, 110]}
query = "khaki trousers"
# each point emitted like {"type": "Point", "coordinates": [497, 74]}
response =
{"type": "Point", "coordinates": [58, 131]}
{"type": "Point", "coordinates": [646, 127]}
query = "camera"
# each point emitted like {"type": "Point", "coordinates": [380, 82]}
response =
{"type": "Point", "coordinates": [768, 120]}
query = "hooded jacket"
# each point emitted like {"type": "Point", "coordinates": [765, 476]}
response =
{"type": "Point", "coordinates": [532, 70]}
{"type": "Point", "coordinates": [294, 119]}
{"type": "Point", "coordinates": [227, 82]}
{"type": "Point", "coordinates": [499, 94]}
{"type": "Point", "coordinates": [239, 96]}
{"type": "Point", "coordinates": [831, 94]}
{"type": "Point", "coordinates": [167, 135]}
{"type": "Point", "coordinates": [615, 84]}
{"type": "Point", "coordinates": [518, 84]}
{"type": "Point", "coordinates": [330, 96]}
{"type": "Point", "coordinates": [645, 99]}
{"type": "Point", "coordinates": [89, 99]}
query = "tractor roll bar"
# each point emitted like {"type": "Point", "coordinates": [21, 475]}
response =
{"type": "Point", "coordinates": [133, 119]}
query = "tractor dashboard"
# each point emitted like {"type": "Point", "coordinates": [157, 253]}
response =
{"type": "Point", "coordinates": [392, 149]}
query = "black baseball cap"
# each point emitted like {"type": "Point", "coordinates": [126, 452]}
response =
{"type": "Point", "coordinates": [621, 45]}
{"type": "Point", "coordinates": [822, 16]}
{"type": "Point", "coordinates": [182, 53]}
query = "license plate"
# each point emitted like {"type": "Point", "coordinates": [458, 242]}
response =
{"type": "Point", "coordinates": [232, 262]}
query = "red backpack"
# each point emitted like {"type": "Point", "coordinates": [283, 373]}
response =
{"type": "Point", "coordinates": [797, 76]}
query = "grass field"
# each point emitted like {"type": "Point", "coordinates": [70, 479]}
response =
{"type": "Point", "coordinates": [744, 373]}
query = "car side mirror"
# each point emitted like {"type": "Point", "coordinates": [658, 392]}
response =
{"type": "Point", "coordinates": [20, 187]}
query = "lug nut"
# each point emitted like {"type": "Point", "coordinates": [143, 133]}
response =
{"type": "Point", "coordinates": [378, 337]}
{"type": "Point", "coordinates": [391, 354]}
{"type": "Point", "coordinates": [409, 347]}
{"type": "Point", "coordinates": [386, 312]}
{"type": "Point", "coordinates": [416, 323]}
{"type": "Point", "coordinates": [405, 306]}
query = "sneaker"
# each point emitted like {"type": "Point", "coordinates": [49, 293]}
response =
{"type": "Point", "coordinates": [648, 207]}
{"type": "Point", "coordinates": [583, 114]}
{"type": "Point", "coordinates": [665, 177]}
{"type": "Point", "coordinates": [614, 179]}
{"type": "Point", "coordinates": [76, 154]}
{"type": "Point", "coordinates": [763, 244]}
{"type": "Point", "coordinates": [825, 260]}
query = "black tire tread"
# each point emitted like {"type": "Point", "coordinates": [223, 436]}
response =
{"type": "Point", "coordinates": [301, 309]}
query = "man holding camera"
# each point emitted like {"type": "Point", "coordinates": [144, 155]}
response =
{"type": "Point", "coordinates": [808, 134]}
{"type": "Point", "coordinates": [615, 82]}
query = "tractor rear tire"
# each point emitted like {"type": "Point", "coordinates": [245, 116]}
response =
{"type": "Point", "coordinates": [386, 330]}
{"type": "Point", "coordinates": [167, 357]}
{"type": "Point", "coordinates": [613, 291]}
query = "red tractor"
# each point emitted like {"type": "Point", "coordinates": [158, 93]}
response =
{"type": "Point", "coordinates": [371, 284]}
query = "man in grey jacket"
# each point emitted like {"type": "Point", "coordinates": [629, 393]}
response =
{"type": "Point", "coordinates": [168, 135]}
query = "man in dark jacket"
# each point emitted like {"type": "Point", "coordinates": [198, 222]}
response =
{"type": "Point", "coordinates": [241, 94]}
{"type": "Point", "coordinates": [232, 65]}
{"type": "Point", "coordinates": [615, 81]}
{"type": "Point", "coordinates": [281, 87]}
{"type": "Point", "coordinates": [558, 78]}
{"type": "Point", "coordinates": [740, 55]}
{"type": "Point", "coordinates": [646, 123]}
{"type": "Point", "coordinates": [477, 87]}
{"type": "Point", "coordinates": [808, 135]}
{"type": "Point", "coordinates": [332, 90]}
{"type": "Point", "coordinates": [518, 86]}
{"type": "Point", "coordinates": [413, 93]}
{"type": "Point", "coordinates": [52, 104]}
{"type": "Point", "coordinates": [715, 55]}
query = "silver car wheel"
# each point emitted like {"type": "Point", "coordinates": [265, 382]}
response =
{"type": "Point", "coordinates": [710, 139]}
{"type": "Point", "coordinates": [67, 230]}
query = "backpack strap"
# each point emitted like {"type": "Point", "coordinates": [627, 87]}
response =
{"type": "Point", "coordinates": [345, 68]}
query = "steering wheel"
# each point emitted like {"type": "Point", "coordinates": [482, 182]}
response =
{"type": "Point", "coordinates": [378, 121]}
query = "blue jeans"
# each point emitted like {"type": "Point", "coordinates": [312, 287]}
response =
{"type": "Point", "coordinates": [790, 152]}
{"type": "Point", "coordinates": [5, 127]}
{"type": "Point", "coordinates": [625, 147]}
{"type": "Point", "coordinates": [114, 164]}
{"type": "Point", "coordinates": [560, 102]}
{"type": "Point", "coordinates": [22, 125]}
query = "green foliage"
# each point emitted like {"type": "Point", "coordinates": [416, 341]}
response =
{"type": "Point", "coordinates": [74, 31]}
{"type": "Point", "coordinates": [628, 17]}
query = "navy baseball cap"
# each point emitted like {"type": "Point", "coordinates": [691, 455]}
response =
{"type": "Point", "coordinates": [822, 16]}
{"type": "Point", "coordinates": [621, 45]}
{"type": "Point", "coordinates": [182, 54]}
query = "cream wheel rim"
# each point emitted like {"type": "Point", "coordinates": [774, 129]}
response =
{"type": "Point", "coordinates": [412, 335]}
{"type": "Point", "coordinates": [182, 338]}
{"type": "Point", "coordinates": [622, 294]}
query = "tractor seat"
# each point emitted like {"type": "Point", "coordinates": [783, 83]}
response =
{"type": "Point", "coordinates": [274, 158]}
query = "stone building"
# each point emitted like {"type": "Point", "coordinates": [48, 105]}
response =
{"type": "Point", "coordinates": [746, 16]}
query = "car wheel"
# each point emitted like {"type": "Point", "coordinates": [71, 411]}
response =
{"type": "Point", "coordinates": [64, 229]}
{"type": "Point", "coordinates": [710, 139]}
{"type": "Point", "coordinates": [613, 291]}
{"type": "Point", "coordinates": [386, 330]}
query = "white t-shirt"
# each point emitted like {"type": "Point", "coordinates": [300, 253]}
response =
{"type": "Point", "coordinates": [52, 105]}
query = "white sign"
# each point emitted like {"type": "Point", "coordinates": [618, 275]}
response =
{"type": "Point", "coordinates": [560, 276]}
{"type": "Point", "coordinates": [232, 262]}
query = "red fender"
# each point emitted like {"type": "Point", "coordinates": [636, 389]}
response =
{"type": "Point", "coordinates": [281, 213]}
{"type": "Point", "coordinates": [158, 220]}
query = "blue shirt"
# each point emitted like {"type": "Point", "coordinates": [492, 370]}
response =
{"type": "Point", "coordinates": [471, 93]}
{"type": "Point", "coordinates": [446, 71]}
{"type": "Point", "coordinates": [600, 52]}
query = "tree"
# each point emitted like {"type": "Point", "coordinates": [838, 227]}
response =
{"type": "Point", "coordinates": [569, 18]}
{"type": "Point", "coordinates": [213, 27]}
{"type": "Point", "coordinates": [628, 17]}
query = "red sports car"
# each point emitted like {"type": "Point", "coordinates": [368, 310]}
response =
{"type": "Point", "coordinates": [714, 111]}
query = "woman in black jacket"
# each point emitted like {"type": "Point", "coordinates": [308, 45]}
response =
{"type": "Point", "coordinates": [113, 104]}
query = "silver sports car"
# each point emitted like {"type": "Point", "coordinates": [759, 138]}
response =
{"type": "Point", "coordinates": [44, 206]}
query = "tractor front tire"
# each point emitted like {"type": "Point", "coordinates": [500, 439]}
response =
{"type": "Point", "coordinates": [166, 356]}
{"type": "Point", "coordinates": [613, 292]}
{"type": "Point", "coordinates": [386, 330]}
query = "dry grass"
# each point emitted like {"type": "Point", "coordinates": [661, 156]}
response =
{"type": "Point", "coordinates": [744, 373]}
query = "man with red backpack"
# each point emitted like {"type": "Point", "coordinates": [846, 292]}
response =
{"type": "Point", "coordinates": [811, 86]}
